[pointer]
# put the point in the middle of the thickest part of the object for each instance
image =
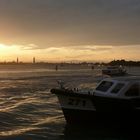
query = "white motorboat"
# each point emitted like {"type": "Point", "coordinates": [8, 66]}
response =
{"type": "Point", "coordinates": [114, 70]}
{"type": "Point", "coordinates": [113, 99]}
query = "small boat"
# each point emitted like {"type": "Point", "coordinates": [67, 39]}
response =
{"type": "Point", "coordinates": [116, 99]}
{"type": "Point", "coordinates": [114, 70]}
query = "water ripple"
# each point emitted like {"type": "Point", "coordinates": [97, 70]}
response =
{"type": "Point", "coordinates": [29, 111]}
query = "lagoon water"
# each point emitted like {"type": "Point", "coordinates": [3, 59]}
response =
{"type": "Point", "coordinates": [28, 111]}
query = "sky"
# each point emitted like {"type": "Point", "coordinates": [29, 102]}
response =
{"type": "Point", "coordinates": [69, 30]}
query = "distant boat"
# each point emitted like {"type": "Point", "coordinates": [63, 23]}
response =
{"type": "Point", "coordinates": [113, 99]}
{"type": "Point", "coordinates": [114, 70]}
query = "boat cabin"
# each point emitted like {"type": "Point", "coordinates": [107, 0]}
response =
{"type": "Point", "coordinates": [123, 87]}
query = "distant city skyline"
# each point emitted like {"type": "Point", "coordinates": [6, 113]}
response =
{"type": "Point", "coordinates": [127, 53]}
{"type": "Point", "coordinates": [69, 30]}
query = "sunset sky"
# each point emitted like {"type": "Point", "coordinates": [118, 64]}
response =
{"type": "Point", "coordinates": [69, 30]}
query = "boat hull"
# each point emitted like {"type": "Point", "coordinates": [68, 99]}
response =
{"type": "Point", "coordinates": [105, 72]}
{"type": "Point", "coordinates": [78, 116]}
{"type": "Point", "coordinates": [95, 109]}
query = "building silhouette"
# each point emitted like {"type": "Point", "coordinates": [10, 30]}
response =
{"type": "Point", "coordinates": [17, 60]}
{"type": "Point", "coordinates": [33, 60]}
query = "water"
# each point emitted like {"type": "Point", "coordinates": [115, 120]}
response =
{"type": "Point", "coordinates": [28, 111]}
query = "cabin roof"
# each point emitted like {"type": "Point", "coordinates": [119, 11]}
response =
{"type": "Point", "coordinates": [126, 78]}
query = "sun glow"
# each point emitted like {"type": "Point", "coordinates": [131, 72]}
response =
{"type": "Point", "coordinates": [2, 48]}
{"type": "Point", "coordinates": [5, 49]}
{"type": "Point", "coordinates": [10, 52]}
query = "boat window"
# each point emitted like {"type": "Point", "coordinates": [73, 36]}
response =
{"type": "Point", "coordinates": [117, 88]}
{"type": "Point", "coordinates": [133, 90]}
{"type": "Point", "coordinates": [104, 86]}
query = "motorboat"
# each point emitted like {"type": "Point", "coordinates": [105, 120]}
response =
{"type": "Point", "coordinates": [114, 70]}
{"type": "Point", "coordinates": [116, 99]}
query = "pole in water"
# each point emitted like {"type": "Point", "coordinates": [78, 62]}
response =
{"type": "Point", "coordinates": [56, 67]}
{"type": "Point", "coordinates": [92, 67]}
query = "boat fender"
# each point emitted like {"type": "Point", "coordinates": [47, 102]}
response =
{"type": "Point", "coordinates": [53, 91]}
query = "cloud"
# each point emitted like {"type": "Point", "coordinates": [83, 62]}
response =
{"type": "Point", "coordinates": [20, 46]}
{"type": "Point", "coordinates": [28, 47]}
{"type": "Point", "coordinates": [53, 23]}
{"type": "Point", "coordinates": [92, 48]}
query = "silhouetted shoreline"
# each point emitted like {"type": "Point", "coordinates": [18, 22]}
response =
{"type": "Point", "coordinates": [114, 62]}
{"type": "Point", "coordinates": [125, 63]}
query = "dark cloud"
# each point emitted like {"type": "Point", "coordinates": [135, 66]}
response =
{"type": "Point", "coordinates": [71, 22]}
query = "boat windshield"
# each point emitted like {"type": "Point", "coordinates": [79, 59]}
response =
{"type": "Point", "coordinates": [104, 86]}
{"type": "Point", "coordinates": [133, 90]}
{"type": "Point", "coordinates": [117, 88]}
